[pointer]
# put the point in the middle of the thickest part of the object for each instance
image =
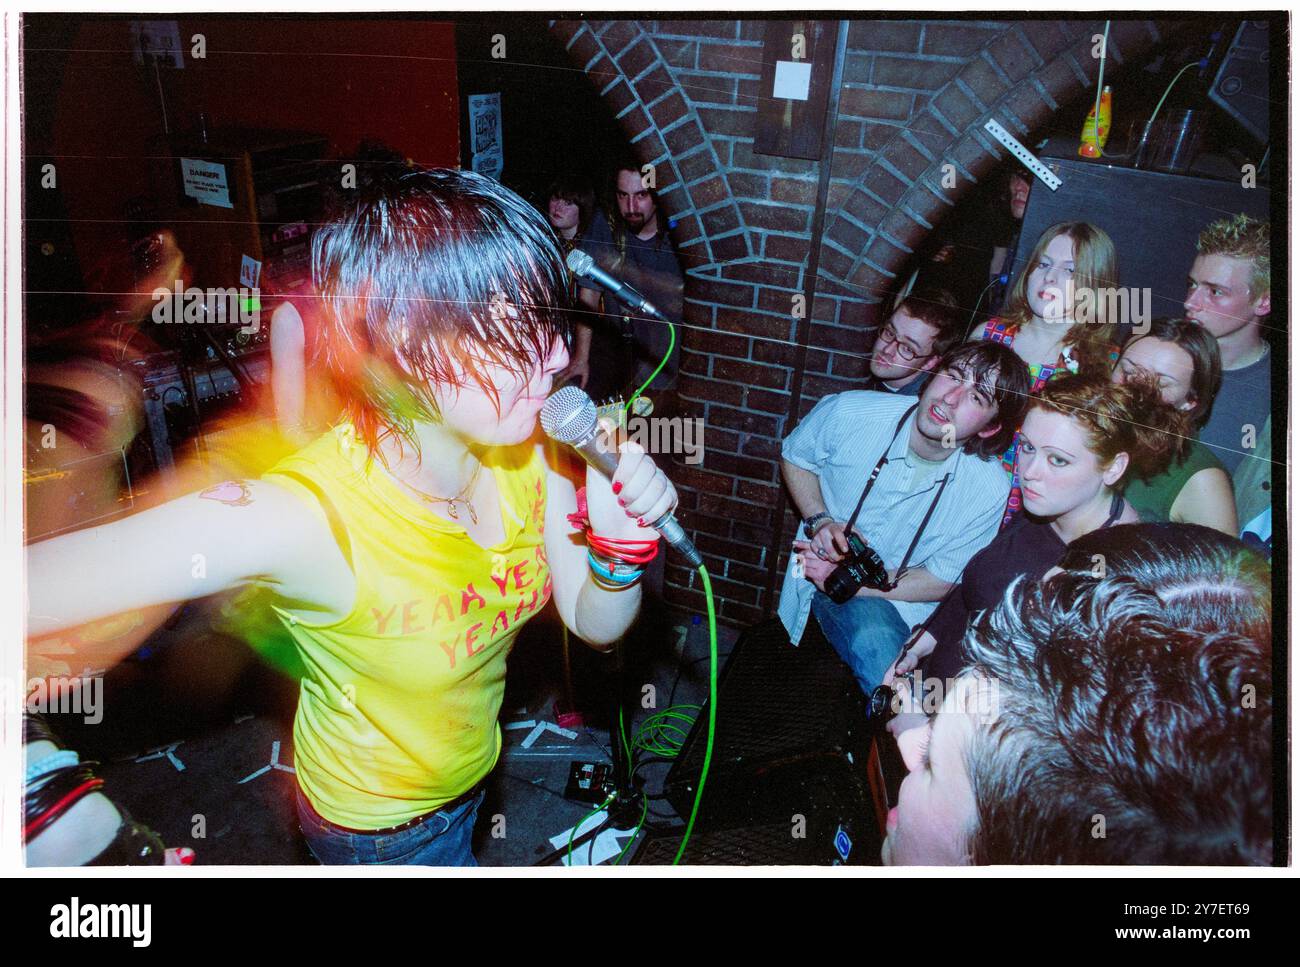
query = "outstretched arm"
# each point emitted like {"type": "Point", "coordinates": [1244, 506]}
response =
{"type": "Point", "coordinates": [231, 534]}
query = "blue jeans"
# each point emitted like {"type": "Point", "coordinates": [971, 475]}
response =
{"type": "Point", "coordinates": [866, 632]}
{"type": "Point", "coordinates": [441, 839]}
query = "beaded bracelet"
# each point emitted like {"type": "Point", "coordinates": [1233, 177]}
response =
{"type": "Point", "coordinates": [613, 575]}
{"type": "Point", "coordinates": [57, 759]}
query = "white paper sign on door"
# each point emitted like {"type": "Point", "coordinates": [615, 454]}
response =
{"type": "Point", "coordinates": [205, 181]}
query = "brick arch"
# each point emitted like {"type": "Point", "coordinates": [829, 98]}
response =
{"type": "Point", "coordinates": [915, 96]}
{"type": "Point", "coordinates": [1020, 78]}
{"type": "Point", "coordinates": [637, 81]}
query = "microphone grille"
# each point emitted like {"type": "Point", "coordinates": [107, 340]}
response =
{"type": "Point", "coordinates": [579, 262]}
{"type": "Point", "coordinates": [569, 415]}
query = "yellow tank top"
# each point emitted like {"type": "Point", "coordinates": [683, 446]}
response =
{"type": "Point", "coordinates": [398, 708]}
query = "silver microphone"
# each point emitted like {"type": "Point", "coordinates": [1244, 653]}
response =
{"type": "Point", "coordinates": [569, 417]}
{"type": "Point", "coordinates": [584, 267]}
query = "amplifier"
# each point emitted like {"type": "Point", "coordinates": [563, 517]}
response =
{"type": "Point", "coordinates": [169, 411]}
{"type": "Point", "coordinates": [786, 716]}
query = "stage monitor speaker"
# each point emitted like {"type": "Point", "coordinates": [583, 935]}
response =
{"type": "Point", "coordinates": [780, 708]}
{"type": "Point", "coordinates": [1153, 219]}
{"type": "Point", "coordinates": [815, 812]}
{"type": "Point", "coordinates": [1241, 85]}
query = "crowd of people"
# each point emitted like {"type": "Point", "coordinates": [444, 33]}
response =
{"type": "Point", "coordinates": [1073, 508]}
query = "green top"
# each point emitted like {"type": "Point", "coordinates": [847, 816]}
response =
{"type": "Point", "coordinates": [1154, 498]}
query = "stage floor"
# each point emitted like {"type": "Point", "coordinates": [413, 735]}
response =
{"type": "Point", "coordinates": [197, 739]}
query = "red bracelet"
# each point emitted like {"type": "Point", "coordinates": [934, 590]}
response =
{"type": "Point", "coordinates": [627, 551]}
{"type": "Point", "coordinates": [618, 548]}
{"type": "Point", "coordinates": [45, 819]}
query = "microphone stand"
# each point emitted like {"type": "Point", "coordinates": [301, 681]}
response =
{"type": "Point", "coordinates": [624, 810]}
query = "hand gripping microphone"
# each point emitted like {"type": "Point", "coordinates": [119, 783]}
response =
{"type": "Point", "coordinates": [584, 267]}
{"type": "Point", "coordinates": [569, 416]}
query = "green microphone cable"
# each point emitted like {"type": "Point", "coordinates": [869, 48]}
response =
{"type": "Point", "coordinates": [672, 342]}
{"type": "Point", "coordinates": [579, 823]}
{"type": "Point", "coordinates": [713, 711]}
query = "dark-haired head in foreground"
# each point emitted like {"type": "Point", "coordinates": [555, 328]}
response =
{"type": "Point", "coordinates": [1118, 713]}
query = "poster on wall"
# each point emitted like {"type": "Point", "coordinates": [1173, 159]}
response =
{"type": "Point", "coordinates": [157, 41]}
{"type": "Point", "coordinates": [485, 134]}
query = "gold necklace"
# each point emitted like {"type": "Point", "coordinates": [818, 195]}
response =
{"type": "Point", "coordinates": [460, 497]}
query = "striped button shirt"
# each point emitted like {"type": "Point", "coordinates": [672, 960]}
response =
{"type": "Point", "coordinates": [840, 441]}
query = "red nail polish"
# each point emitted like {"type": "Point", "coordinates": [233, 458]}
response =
{"type": "Point", "coordinates": [617, 486]}
{"type": "Point", "coordinates": [640, 522]}
{"type": "Point", "coordinates": [622, 502]}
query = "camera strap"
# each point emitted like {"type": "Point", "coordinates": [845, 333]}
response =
{"type": "Point", "coordinates": [871, 482]}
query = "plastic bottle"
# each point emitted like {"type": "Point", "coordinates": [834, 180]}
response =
{"type": "Point", "coordinates": [1096, 130]}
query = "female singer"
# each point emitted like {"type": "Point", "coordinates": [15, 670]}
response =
{"type": "Point", "coordinates": [405, 548]}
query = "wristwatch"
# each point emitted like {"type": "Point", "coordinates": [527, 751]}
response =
{"type": "Point", "coordinates": [810, 524]}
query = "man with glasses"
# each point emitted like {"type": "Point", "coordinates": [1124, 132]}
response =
{"type": "Point", "coordinates": [922, 328]}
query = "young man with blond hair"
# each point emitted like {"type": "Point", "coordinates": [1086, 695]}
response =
{"type": "Point", "coordinates": [1228, 294]}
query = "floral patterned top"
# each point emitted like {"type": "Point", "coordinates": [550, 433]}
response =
{"type": "Point", "coordinates": [1040, 374]}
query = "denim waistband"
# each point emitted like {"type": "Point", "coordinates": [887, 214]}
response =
{"type": "Point", "coordinates": [413, 821]}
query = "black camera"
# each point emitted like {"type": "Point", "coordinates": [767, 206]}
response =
{"type": "Point", "coordinates": [882, 706]}
{"type": "Point", "coordinates": [862, 567]}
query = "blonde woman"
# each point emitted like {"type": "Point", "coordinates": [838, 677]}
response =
{"type": "Point", "coordinates": [1055, 317]}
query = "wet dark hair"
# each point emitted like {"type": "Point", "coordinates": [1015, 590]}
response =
{"type": "Point", "coordinates": [1207, 366]}
{"type": "Point", "coordinates": [1006, 376]}
{"type": "Point", "coordinates": [409, 275]}
{"type": "Point", "coordinates": [1173, 559]}
{"type": "Point", "coordinates": [1139, 696]}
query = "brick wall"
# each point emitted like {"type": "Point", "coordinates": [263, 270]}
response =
{"type": "Point", "coordinates": [915, 95]}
